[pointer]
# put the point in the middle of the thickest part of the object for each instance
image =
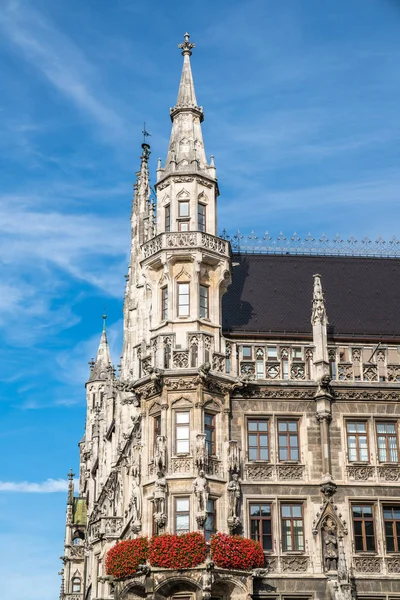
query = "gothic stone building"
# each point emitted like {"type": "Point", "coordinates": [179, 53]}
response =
{"type": "Point", "coordinates": [268, 382]}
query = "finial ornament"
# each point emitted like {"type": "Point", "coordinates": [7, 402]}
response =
{"type": "Point", "coordinates": [318, 303]}
{"type": "Point", "coordinates": [104, 317]}
{"type": "Point", "coordinates": [71, 475]}
{"type": "Point", "coordinates": [186, 46]}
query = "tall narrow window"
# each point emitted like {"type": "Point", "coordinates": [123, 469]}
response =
{"type": "Point", "coordinates": [209, 430]}
{"type": "Point", "coordinates": [193, 354]}
{"type": "Point", "coordinates": [156, 428]}
{"type": "Point", "coordinates": [285, 363]}
{"type": "Point", "coordinates": [167, 355]}
{"type": "Point", "coordinates": [182, 515]}
{"type": "Point", "coordinates": [204, 301]}
{"type": "Point", "coordinates": [261, 525]}
{"type": "Point", "coordinates": [364, 532]}
{"type": "Point", "coordinates": [357, 441]}
{"type": "Point", "coordinates": [288, 437]}
{"type": "Point", "coordinates": [182, 420]}
{"type": "Point", "coordinates": [164, 303]}
{"type": "Point", "coordinates": [292, 527]}
{"type": "Point", "coordinates": [183, 299]}
{"type": "Point", "coordinates": [391, 517]}
{"type": "Point", "coordinates": [211, 520]}
{"type": "Point", "coordinates": [168, 218]}
{"type": "Point", "coordinates": [332, 362]}
{"type": "Point", "coordinates": [201, 217]}
{"type": "Point", "coordinates": [257, 437]}
{"type": "Point", "coordinates": [76, 584]}
{"type": "Point", "coordinates": [260, 363]}
{"type": "Point", "coordinates": [387, 442]}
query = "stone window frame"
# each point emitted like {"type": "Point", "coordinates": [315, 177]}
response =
{"type": "Point", "coordinates": [288, 419]}
{"type": "Point", "coordinates": [213, 429]}
{"type": "Point", "coordinates": [179, 305]}
{"type": "Point", "coordinates": [358, 419]}
{"type": "Point", "coordinates": [386, 421]}
{"type": "Point", "coordinates": [390, 505]}
{"type": "Point", "coordinates": [365, 503]}
{"type": "Point", "coordinates": [176, 426]}
{"type": "Point", "coordinates": [202, 216]}
{"type": "Point", "coordinates": [212, 499]}
{"type": "Point", "coordinates": [76, 581]}
{"type": "Point", "coordinates": [167, 215]}
{"type": "Point", "coordinates": [188, 512]}
{"type": "Point", "coordinates": [164, 303]}
{"type": "Point", "coordinates": [257, 418]}
{"type": "Point", "coordinates": [271, 519]}
{"type": "Point", "coordinates": [290, 502]}
{"type": "Point", "coordinates": [206, 307]}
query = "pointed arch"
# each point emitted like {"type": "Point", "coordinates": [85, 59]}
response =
{"type": "Point", "coordinates": [183, 194]}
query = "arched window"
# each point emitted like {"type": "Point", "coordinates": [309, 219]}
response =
{"type": "Point", "coordinates": [76, 584]}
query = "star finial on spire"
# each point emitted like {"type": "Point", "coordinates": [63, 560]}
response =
{"type": "Point", "coordinates": [186, 46]}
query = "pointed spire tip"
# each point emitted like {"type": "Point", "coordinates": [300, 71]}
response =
{"type": "Point", "coordinates": [186, 46]}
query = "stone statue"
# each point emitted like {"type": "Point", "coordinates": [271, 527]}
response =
{"type": "Point", "coordinates": [160, 453]}
{"type": "Point", "coordinates": [204, 370]}
{"type": "Point", "coordinates": [233, 489]}
{"type": "Point", "coordinates": [201, 491]}
{"type": "Point", "coordinates": [330, 545]}
{"type": "Point", "coordinates": [160, 494]}
{"type": "Point", "coordinates": [201, 451]}
{"type": "Point", "coordinates": [135, 502]}
{"type": "Point", "coordinates": [136, 460]}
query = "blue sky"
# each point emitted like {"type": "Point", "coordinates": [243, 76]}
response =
{"type": "Point", "coordinates": [301, 112]}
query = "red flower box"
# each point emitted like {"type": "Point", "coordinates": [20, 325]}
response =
{"type": "Point", "coordinates": [177, 551]}
{"type": "Point", "coordinates": [123, 559]}
{"type": "Point", "coordinates": [236, 552]}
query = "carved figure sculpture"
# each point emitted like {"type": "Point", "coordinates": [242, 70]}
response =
{"type": "Point", "coordinates": [135, 502]}
{"type": "Point", "coordinates": [136, 460]}
{"type": "Point", "coordinates": [233, 489]}
{"type": "Point", "coordinates": [233, 456]}
{"type": "Point", "coordinates": [160, 453]}
{"type": "Point", "coordinates": [201, 491]}
{"type": "Point", "coordinates": [160, 494]}
{"type": "Point", "coordinates": [201, 451]}
{"type": "Point", "coordinates": [330, 545]}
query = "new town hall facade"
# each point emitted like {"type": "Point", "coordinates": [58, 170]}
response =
{"type": "Point", "coordinates": [258, 394]}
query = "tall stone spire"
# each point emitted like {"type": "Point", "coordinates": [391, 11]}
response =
{"type": "Point", "coordinates": [186, 148]}
{"type": "Point", "coordinates": [142, 211]}
{"type": "Point", "coordinates": [102, 364]}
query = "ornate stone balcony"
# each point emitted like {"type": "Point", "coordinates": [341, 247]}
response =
{"type": "Point", "coordinates": [185, 240]}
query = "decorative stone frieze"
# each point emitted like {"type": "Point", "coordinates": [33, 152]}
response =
{"type": "Point", "coordinates": [292, 472]}
{"type": "Point", "coordinates": [294, 564]}
{"type": "Point", "coordinates": [260, 472]}
{"type": "Point", "coordinates": [393, 565]}
{"type": "Point", "coordinates": [360, 472]}
{"type": "Point", "coordinates": [389, 472]}
{"type": "Point", "coordinates": [367, 564]}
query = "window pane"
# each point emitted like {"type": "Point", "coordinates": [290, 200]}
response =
{"type": "Point", "coordinates": [263, 425]}
{"type": "Point", "coordinates": [183, 209]}
{"type": "Point", "coordinates": [285, 510]}
{"type": "Point", "coordinates": [182, 523]}
{"type": "Point", "coordinates": [263, 453]}
{"type": "Point", "coordinates": [255, 510]}
{"type": "Point", "coordinates": [252, 425]}
{"type": "Point", "coordinates": [182, 446]}
{"type": "Point", "coordinates": [182, 417]}
{"type": "Point", "coordinates": [282, 426]}
{"type": "Point", "coordinates": [292, 426]}
{"type": "Point", "coordinates": [182, 432]}
{"type": "Point", "coordinates": [182, 504]}
{"type": "Point", "coordinates": [253, 453]}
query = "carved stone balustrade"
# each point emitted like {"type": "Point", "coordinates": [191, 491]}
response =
{"type": "Point", "coordinates": [367, 564]}
{"type": "Point", "coordinates": [180, 359]}
{"type": "Point", "coordinates": [218, 363]}
{"type": "Point", "coordinates": [73, 596]}
{"type": "Point", "coordinates": [393, 372]}
{"type": "Point", "coordinates": [185, 240]}
{"type": "Point", "coordinates": [345, 372]}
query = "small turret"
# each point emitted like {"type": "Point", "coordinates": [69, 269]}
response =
{"type": "Point", "coordinates": [102, 366]}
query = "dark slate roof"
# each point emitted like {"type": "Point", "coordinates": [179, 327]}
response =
{"type": "Point", "coordinates": [272, 295]}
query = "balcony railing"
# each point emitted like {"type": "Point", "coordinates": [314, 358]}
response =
{"type": "Point", "coordinates": [185, 240]}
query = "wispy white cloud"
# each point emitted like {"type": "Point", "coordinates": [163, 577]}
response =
{"type": "Point", "coordinates": [61, 62]}
{"type": "Point", "coordinates": [49, 486]}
